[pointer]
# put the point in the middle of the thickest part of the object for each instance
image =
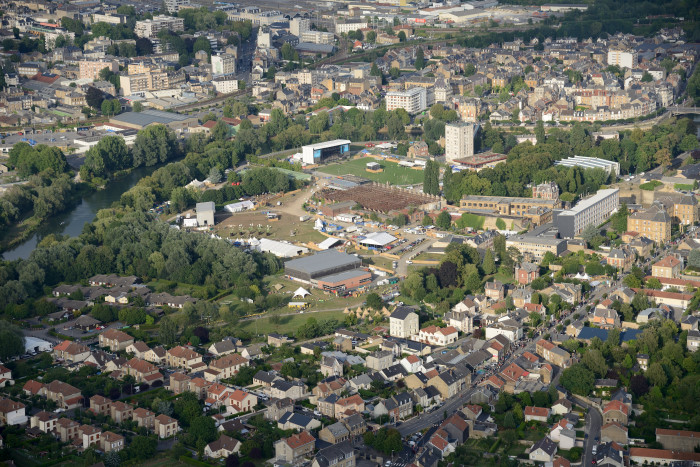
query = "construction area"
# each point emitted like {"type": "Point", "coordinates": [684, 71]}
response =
{"type": "Point", "coordinates": [383, 198]}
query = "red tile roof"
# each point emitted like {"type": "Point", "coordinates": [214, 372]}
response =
{"type": "Point", "coordinates": [616, 405]}
{"type": "Point", "coordinates": [536, 411]}
{"type": "Point", "coordinates": [296, 441]}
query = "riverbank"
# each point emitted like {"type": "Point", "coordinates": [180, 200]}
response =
{"type": "Point", "coordinates": [21, 232]}
{"type": "Point", "coordinates": [86, 200]}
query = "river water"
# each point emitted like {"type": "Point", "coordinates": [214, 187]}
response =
{"type": "Point", "coordinates": [71, 222]}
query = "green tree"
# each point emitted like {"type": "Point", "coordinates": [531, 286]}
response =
{"type": "Point", "coordinates": [656, 375]}
{"type": "Point", "coordinates": [11, 341]}
{"type": "Point", "coordinates": [539, 132]}
{"type": "Point", "coordinates": [420, 59]}
{"type": "Point", "coordinates": [431, 176]}
{"type": "Point", "coordinates": [221, 131]}
{"type": "Point", "coordinates": [374, 301]}
{"type": "Point", "coordinates": [155, 144]}
{"type": "Point", "coordinates": [167, 332]}
{"type": "Point", "coordinates": [489, 265]}
{"type": "Point", "coordinates": [578, 379]}
{"type": "Point", "coordinates": [443, 220]}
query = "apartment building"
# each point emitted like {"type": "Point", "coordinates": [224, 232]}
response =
{"type": "Point", "coordinates": [508, 206]}
{"type": "Point", "coordinates": [223, 64]}
{"type": "Point", "coordinates": [653, 223]}
{"type": "Point", "coordinates": [624, 58]}
{"type": "Point", "coordinates": [592, 211]}
{"type": "Point", "coordinates": [683, 208]}
{"type": "Point", "coordinates": [669, 267]}
{"type": "Point", "coordinates": [150, 28]}
{"type": "Point", "coordinates": [459, 141]}
{"type": "Point", "coordinates": [412, 100]}
{"type": "Point", "coordinates": [318, 37]}
{"type": "Point", "coordinates": [90, 69]}
{"type": "Point", "coordinates": [535, 247]}
{"type": "Point", "coordinates": [403, 323]}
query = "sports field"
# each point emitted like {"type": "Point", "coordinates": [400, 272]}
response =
{"type": "Point", "coordinates": [393, 173]}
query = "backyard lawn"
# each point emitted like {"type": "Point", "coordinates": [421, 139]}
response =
{"type": "Point", "coordinates": [392, 173]}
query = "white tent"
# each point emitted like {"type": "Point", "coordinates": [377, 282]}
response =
{"type": "Point", "coordinates": [301, 292]}
{"type": "Point", "coordinates": [318, 225]}
{"type": "Point", "coordinates": [378, 239]}
{"type": "Point", "coordinates": [330, 242]}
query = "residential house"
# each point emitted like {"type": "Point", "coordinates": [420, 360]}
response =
{"type": "Point", "coordinates": [144, 418]}
{"type": "Point", "coordinates": [620, 258]}
{"type": "Point", "coordinates": [561, 407]}
{"type": "Point", "coordinates": [142, 371]}
{"type": "Point", "coordinates": [294, 448]}
{"type": "Point", "coordinates": [138, 349]}
{"type": "Point", "coordinates": [228, 365]}
{"type": "Point", "coordinates": [63, 394]}
{"type": "Point", "coordinates": [447, 383]}
{"type": "Point", "coordinates": [506, 327]}
{"type": "Point", "coordinates": [166, 426]}
{"type": "Point", "coordinates": [526, 272]}
{"type": "Point", "coordinates": [693, 341]}
{"type": "Point", "coordinates": [460, 320]}
{"type": "Point", "coordinates": [111, 442]}
{"type": "Point", "coordinates": [537, 414]}
{"type": "Point", "coordinates": [89, 435]}
{"type": "Point", "coordinates": [155, 355]}
{"type": "Point", "coordinates": [32, 388]}
{"type": "Point", "coordinates": [338, 455]}
{"type": "Point", "coordinates": [615, 411]}
{"type": "Point", "coordinates": [254, 351]}
{"type": "Point", "coordinates": [356, 425]}
{"type": "Point", "coordinates": [553, 353]}
{"type": "Point", "coordinates": [67, 429]}
{"type": "Point", "coordinates": [605, 318]}
{"type": "Point", "coordinates": [241, 401]}
{"type": "Point", "coordinates": [543, 450]}
{"type": "Point", "coordinates": [182, 357]}
{"type": "Point", "coordinates": [43, 421]}
{"type": "Point", "coordinates": [297, 421]}
{"type": "Point", "coordinates": [115, 339]}
{"type": "Point", "coordinates": [379, 360]}
{"type": "Point", "coordinates": [331, 366]}
{"type": "Point", "coordinates": [411, 363]}
{"type": "Point", "coordinates": [71, 352]}
{"type": "Point", "coordinates": [436, 336]}
{"type": "Point", "coordinates": [222, 348]}
{"type": "Point", "coordinates": [348, 406]}
{"type": "Point", "coordinates": [222, 447]}
{"type": "Point", "coordinates": [457, 427]}
{"type": "Point", "coordinates": [179, 382]}
{"type": "Point", "coordinates": [278, 407]}
{"type": "Point", "coordinates": [11, 412]}
{"type": "Point", "coordinates": [614, 432]}
{"type": "Point", "coordinates": [265, 378]}
{"type": "Point", "coordinates": [397, 407]}
{"type": "Point", "coordinates": [100, 405]}
{"type": "Point", "coordinates": [495, 290]}
{"type": "Point", "coordinates": [119, 411]}
{"type": "Point", "coordinates": [440, 443]}
{"type": "Point", "coordinates": [403, 322]}
{"type": "Point", "coordinates": [294, 390]}
{"type": "Point", "coordinates": [669, 267]}
{"type": "Point", "coordinates": [334, 434]}
{"type": "Point", "coordinates": [678, 440]}
{"type": "Point", "coordinates": [277, 340]}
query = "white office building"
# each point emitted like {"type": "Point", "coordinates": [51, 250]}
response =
{"type": "Point", "coordinates": [612, 167]}
{"type": "Point", "coordinates": [151, 27]}
{"type": "Point", "coordinates": [298, 26]}
{"type": "Point", "coordinates": [623, 58]}
{"type": "Point", "coordinates": [591, 211]}
{"type": "Point", "coordinates": [223, 64]}
{"type": "Point", "coordinates": [459, 141]}
{"type": "Point", "coordinates": [412, 100]}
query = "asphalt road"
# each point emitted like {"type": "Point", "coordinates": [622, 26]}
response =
{"type": "Point", "coordinates": [594, 420]}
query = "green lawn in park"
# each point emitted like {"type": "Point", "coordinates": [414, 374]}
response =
{"type": "Point", "coordinates": [393, 173]}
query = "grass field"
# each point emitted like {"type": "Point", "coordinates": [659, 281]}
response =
{"type": "Point", "coordinates": [471, 220]}
{"type": "Point", "coordinates": [288, 324]}
{"type": "Point", "coordinates": [392, 173]}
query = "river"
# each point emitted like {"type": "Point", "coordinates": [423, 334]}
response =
{"type": "Point", "coordinates": [72, 221]}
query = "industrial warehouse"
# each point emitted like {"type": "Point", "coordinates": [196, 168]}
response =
{"type": "Point", "coordinates": [329, 270]}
